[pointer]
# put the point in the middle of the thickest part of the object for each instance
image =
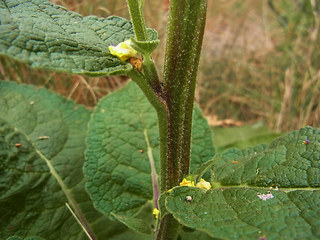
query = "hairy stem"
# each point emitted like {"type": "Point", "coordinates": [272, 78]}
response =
{"type": "Point", "coordinates": [173, 103]}
{"type": "Point", "coordinates": [136, 14]}
{"type": "Point", "coordinates": [140, 31]}
{"type": "Point", "coordinates": [151, 74]}
{"type": "Point", "coordinates": [184, 40]}
{"type": "Point", "coordinates": [168, 228]}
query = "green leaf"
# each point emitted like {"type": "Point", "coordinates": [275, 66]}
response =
{"type": "Point", "coordinates": [123, 150]}
{"type": "Point", "coordinates": [286, 162]}
{"type": "Point", "coordinates": [243, 206]}
{"type": "Point", "coordinates": [162, 205]}
{"type": "Point", "coordinates": [192, 234]}
{"type": "Point", "coordinates": [48, 36]}
{"type": "Point", "coordinates": [238, 213]}
{"type": "Point", "coordinates": [147, 47]}
{"type": "Point", "coordinates": [135, 224]}
{"type": "Point", "coordinates": [42, 143]}
{"type": "Point", "coordinates": [28, 238]}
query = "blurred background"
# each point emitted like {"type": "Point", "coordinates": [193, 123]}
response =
{"type": "Point", "coordinates": [259, 73]}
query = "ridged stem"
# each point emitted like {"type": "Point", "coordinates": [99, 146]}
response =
{"type": "Point", "coordinates": [183, 47]}
{"type": "Point", "coordinates": [173, 102]}
{"type": "Point", "coordinates": [184, 40]}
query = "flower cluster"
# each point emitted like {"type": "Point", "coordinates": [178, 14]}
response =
{"type": "Point", "coordinates": [202, 184]}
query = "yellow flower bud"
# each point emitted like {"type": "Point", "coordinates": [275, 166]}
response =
{"type": "Point", "coordinates": [156, 213]}
{"type": "Point", "coordinates": [169, 191]}
{"type": "Point", "coordinates": [186, 182]}
{"type": "Point", "coordinates": [123, 50]}
{"type": "Point", "coordinates": [203, 184]}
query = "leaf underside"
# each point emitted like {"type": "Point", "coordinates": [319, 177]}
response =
{"type": "Point", "coordinates": [42, 142]}
{"type": "Point", "coordinates": [269, 191]}
{"type": "Point", "coordinates": [48, 36]}
{"type": "Point", "coordinates": [123, 131]}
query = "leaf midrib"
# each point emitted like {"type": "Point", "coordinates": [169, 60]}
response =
{"type": "Point", "coordinates": [63, 186]}
{"type": "Point", "coordinates": [155, 184]}
{"type": "Point", "coordinates": [281, 189]}
{"type": "Point", "coordinates": [67, 193]}
{"type": "Point", "coordinates": [153, 169]}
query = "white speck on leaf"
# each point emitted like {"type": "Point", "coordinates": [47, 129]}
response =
{"type": "Point", "coordinates": [43, 137]}
{"type": "Point", "coordinates": [188, 198]}
{"type": "Point", "coordinates": [265, 197]}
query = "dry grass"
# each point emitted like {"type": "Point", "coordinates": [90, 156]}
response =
{"type": "Point", "coordinates": [251, 69]}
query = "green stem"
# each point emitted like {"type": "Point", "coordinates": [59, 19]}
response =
{"type": "Point", "coordinates": [184, 40]}
{"type": "Point", "coordinates": [154, 98]}
{"type": "Point", "coordinates": [140, 31]}
{"type": "Point", "coordinates": [151, 74]}
{"type": "Point", "coordinates": [173, 103]}
{"type": "Point", "coordinates": [137, 19]}
{"type": "Point", "coordinates": [168, 228]}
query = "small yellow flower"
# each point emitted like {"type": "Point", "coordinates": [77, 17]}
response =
{"type": "Point", "coordinates": [203, 184]}
{"type": "Point", "coordinates": [155, 213]}
{"type": "Point", "coordinates": [169, 191]}
{"type": "Point", "coordinates": [123, 50]}
{"type": "Point", "coordinates": [186, 182]}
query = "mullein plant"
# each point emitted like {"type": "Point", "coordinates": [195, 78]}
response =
{"type": "Point", "coordinates": [141, 165]}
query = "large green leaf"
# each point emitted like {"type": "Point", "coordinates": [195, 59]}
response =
{"type": "Point", "coordinates": [28, 238]}
{"type": "Point", "coordinates": [48, 36]}
{"type": "Point", "coordinates": [191, 234]}
{"type": "Point", "coordinates": [135, 224]}
{"type": "Point", "coordinates": [41, 157]}
{"type": "Point", "coordinates": [123, 150]}
{"type": "Point", "coordinates": [286, 162]}
{"type": "Point", "coordinates": [246, 202]}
